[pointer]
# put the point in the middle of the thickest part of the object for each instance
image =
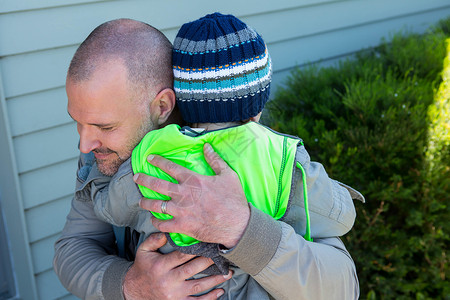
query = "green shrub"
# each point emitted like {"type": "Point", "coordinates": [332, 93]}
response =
{"type": "Point", "coordinates": [380, 123]}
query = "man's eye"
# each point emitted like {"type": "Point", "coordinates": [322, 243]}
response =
{"type": "Point", "coordinates": [106, 128]}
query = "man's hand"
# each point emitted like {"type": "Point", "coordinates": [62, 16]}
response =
{"type": "Point", "coordinates": [163, 276]}
{"type": "Point", "coordinates": [209, 208]}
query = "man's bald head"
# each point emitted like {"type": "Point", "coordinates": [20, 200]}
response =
{"type": "Point", "coordinates": [144, 50]}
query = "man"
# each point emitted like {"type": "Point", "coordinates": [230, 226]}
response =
{"type": "Point", "coordinates": [119, 88]}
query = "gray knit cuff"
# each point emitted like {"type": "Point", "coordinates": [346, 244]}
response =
{"type": "Point", "coordinates": [258, 244]}
{"type": "Point", "coordinates": [113, 280]}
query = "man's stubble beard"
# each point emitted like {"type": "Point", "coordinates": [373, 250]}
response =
{"type": "Point", "coordinates": [110, 167]}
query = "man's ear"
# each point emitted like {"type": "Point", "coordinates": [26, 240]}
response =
{"type": "Point", "coordinates": [162, 105]}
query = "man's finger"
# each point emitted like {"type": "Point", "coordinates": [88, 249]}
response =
{"type": "Point", "coordinates": [192, 268]}
{"type": "Point", "coordinates": [165, 225]}
{"type": "Point", "coordinates": [156, 206]}
{"type": "Point", "coordinates": [214, 160]}
{"type": "Point", "coordinates": [214, 294]}
{"type": "Point", "coordinates": [178, 172]}
{"type": "Point", "coordinates": [153, 242]}
{"type": "Point", "coordinates": [196, 286]}
{"type": "Point", "coordinates": [155, 184]}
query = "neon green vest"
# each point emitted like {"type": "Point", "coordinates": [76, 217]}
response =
{"type": "Point", "coordinates": [263, 160]}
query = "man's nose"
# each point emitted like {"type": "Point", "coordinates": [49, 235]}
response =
{"type": "Point", "coordinates": [88, 139]}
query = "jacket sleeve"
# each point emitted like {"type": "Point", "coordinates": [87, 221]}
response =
{"type": "Point", "coordinates": [289, 267]}
{"type": "Point", "coordinates": [331, 208]}
{"type": "Point", "coordinates": [85, 254]}
{"type": "Point", "coordinates": [117, 202]}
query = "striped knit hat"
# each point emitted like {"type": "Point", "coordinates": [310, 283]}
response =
{"type": "Point", "coordinates": [222, 70]}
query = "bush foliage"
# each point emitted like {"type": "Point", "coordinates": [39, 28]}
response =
{"type": "Point", "coordinates": [380, 123]}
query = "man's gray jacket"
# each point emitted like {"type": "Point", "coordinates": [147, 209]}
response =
{"type": "Point", "coordinates": [274, 260]}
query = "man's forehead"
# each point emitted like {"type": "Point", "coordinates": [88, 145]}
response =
{"type": "Point", "coordinates": [98, 120]}
{"type": "Point", "coordinates": [101, 106]}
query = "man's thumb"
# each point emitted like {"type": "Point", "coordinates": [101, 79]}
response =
{"type": "Point", "coordinates": [153, 242]}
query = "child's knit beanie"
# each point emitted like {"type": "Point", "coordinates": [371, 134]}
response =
{"type": "Point", "coordinates": [222, 70]}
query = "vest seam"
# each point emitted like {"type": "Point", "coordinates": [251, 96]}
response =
{"type": "Point", "coordinates": [280, 176]}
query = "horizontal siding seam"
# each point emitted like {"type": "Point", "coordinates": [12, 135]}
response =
{"type": "Point", "coordinates": [357, 25]}
{"type": "Point", "coordinates": [39, 50]}
{"type": "Point", "coordinates": [67, 196]}
{"type": "Point", "coordinates": [341, 56]}
{"type": "Point", "coordinates": [323, 2]}
{"type": "Point", "coordinates": [316, 4]}
{"type": "Point", "coordinates": [31, 93]}
{"type": "Point", "coordinates": [47, 237]}
{"type": "Point", "coordinates": [50, 269]}
{"type": "Point", "coordinates": [48, 165]}
{"type": "Point", "coordinates": [66, 296]}
{"type": "Point", "coordinates": [13, 11]}
{"type": "Point", "coordinates": [35, 92]}
{"type": "Point", "coordinates": [42, 129]}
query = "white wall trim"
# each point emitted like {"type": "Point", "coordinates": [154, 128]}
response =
{"type": "Point", "coordinates": [13, 211]}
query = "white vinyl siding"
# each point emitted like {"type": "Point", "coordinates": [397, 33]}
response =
{"type": "Point", "coordinates": [38, 140]}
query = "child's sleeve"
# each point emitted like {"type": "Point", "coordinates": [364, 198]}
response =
{"type": "Point", "coordinates": [330, 203]}
{"type": "Point", "coordinates": [117, 202]}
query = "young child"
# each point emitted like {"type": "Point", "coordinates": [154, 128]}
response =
{"type": "Point", "coordinates": [222, 73]}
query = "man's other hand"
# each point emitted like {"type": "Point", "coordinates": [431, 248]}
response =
{"type": "Point", "coordinates": [163, 276]}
